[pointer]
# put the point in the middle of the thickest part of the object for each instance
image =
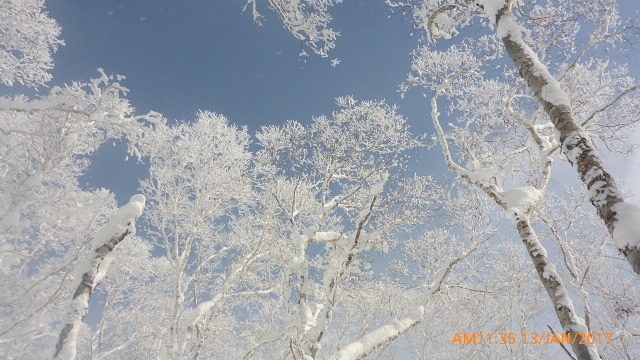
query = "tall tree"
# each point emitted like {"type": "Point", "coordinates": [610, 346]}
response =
{"type": "Point", "coordinates": [199, 174]}
{"type": "Point", "coordinates": [499, 145]}
{"type": "Point", "coordinates": [45, 216]}
{"type": "Point", "coordinates": [331, 181]}
{"type": "Point", "coordinates": [445, 18]}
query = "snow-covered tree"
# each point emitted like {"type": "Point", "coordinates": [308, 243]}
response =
{"type": "Point", "coordinates": [333, 184]}
{"type": "Point", "coordinates": [28, 37]}
{"type": "Point", "coordinates": [550, 35]}
{"type": "Point", "coordinates": [46, 219]}
{"type": "Point", "coordinates": [500, 143]}
{"type": "Point", "coordinates": [91, 270]}
{"type": "Point", "coordinates": [199, 175]}
{"type": "Point", "coordinates": [490, 289]}
{"type": "Point", "coordinates": [571, 229]}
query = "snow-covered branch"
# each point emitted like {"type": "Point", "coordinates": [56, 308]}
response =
{"type": "Point", "coordinates": [380, 337]}
{"type": "Point", "coordinates": [91, 271]}
{"type": "Point", "coordinates": [385, 334]}
{"type": "Point", "coordinates": [306, 20]}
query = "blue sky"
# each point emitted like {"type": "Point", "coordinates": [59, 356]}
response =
{"type": "Point", "coordinates": [183, 56]}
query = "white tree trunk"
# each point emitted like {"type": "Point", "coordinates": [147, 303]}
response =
{"type": "Point", "coordinates": [93, 269]}
{"type": "Point", "coordinates": [622, 219]}
{"type": "Point", "coordinates": [549, 278]}
{"type": "Point", "coordinates": [558, 293]}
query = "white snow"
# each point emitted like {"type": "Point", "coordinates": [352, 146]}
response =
{"type": "Point", "coordinates": [520, 199]}
{"type": "Point", "coordinates": [626, 232]}
{"type": "Point", "coordinates": [599, 191]}
{"type": "Point", "coordinates": [308, 318]}
{"type": "Point", "coordinates": [300, 241]}
{"type": "Point", "coordinates": [380, 336]}
{"type": "Point", "coordinates": [363, 214]}
{"type": "Point", "coordinates": [204, 307]}
{"type": "Point", "coordinates": [482, 174]}
{"type": "Point", "coordinates": [443, 26]}
{"type": "Point", "coordinates": [331, 203]}
{"type": "Point", "coordinates": [324, 236]}
{"type": "Point", "coordinates": [539, 250]}
{"type": "Point", "coordinates": [123, 219]}
{"type": "Point", "coordinates": [553, 93]}
{"type": "Point", "coordinates": [33, 105]}
{"type": "Point", "coordinates": [563, 297]}
{"type": "Point", "coordinates": [575, 152]}
{"type": "Point", "coordinates": [549, 271]}
{"type": "Point", "coordinates": [509, 27]}
{"type": "Point", "coordinates": [378, 187]}
{"type": "Point", "coordinates": [102, 269]}
{"type": "Point", "coordinates": [491, 7]}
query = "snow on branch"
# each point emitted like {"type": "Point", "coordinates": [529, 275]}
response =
{"type": "Point", "coordinates": [90, 272]}
{"type": "Point", "coordinates": [387, 333]}
{"type": "Point", "coordinates": [306, 20]}
{"type": "Point", "coordinates": [95, 108]}
{"type": "Point", "coordinates": [576, 143]}
{"type": "Point", "coordinates": [380, 336]}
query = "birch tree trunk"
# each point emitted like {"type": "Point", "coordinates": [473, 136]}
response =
{"type": "Point", "coordinates": [576, 144]}
{"type": "Point", "coordinates": [93, 270]}
{"type": "Point", "coordinates": [570, 321]}
{"type": "Point", "coordinates": [546, 271]}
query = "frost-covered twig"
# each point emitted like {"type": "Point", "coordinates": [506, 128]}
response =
{"type": "Point", "coordinates": [307, 21]}
{"type": "Point", "coordinates": [611, 103]}
{"type": "Point", "coordinates": [93, 269]}
{"type": "Point", "coordinates": [569, 354]}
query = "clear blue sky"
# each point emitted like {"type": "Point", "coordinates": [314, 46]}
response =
{"type": "Point", "coordinates": [182, 56]}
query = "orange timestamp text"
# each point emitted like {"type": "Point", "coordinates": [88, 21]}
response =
{"type": "Point", "coordinates": [532, 338]}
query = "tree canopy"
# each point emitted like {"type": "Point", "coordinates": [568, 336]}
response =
{"type": "Point", "coordinates": [314, 238]}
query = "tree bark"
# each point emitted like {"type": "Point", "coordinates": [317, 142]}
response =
{"type": "Point", "coordinates": [121, 225]}
{"type": "Point", "coordinates": [576, 144]}
{"type": "Point", "coordinates": [570, 321]}
{"type": "Point", "coordinates": [66, 346]}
